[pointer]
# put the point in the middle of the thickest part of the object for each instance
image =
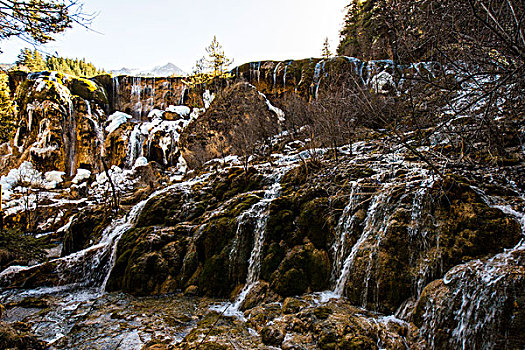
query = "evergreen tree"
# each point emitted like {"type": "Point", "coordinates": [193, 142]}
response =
{"type": "Point", "coordinates": [36, 21]}
{"type": "Point", "coordinates": [326, 53]}
{"type": "Point", "coordinates": [7, 109]}
{"type": "Point", "coordinates": [217, 62]}
{"type": "Point", "coordinates": [30, 60]}
{"type": "Point", "coordinates": [34, 62]}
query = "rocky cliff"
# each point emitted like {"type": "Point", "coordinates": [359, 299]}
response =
{"type": "Point", "coordinates": [299, 221]}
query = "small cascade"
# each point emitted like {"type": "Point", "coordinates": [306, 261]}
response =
{"type": "Point", "coordinates": [420, 236]}
{"type": "Point", "coordinates": [135, 145]}
{"type": "Point", "coordinates": [70, 139]}
{"type": "Point", "coordinates": [275, 73]}
{"type": "Point", "coordinates": [343, 228]}
{"type": "Point", "coordinates": [260, 212]}
{"type": "Point", "coordinates": [184, 91]}
{"type": "Point", "coordinates": [375, 224]}
{"type": "Point", "coordinates": [478, 293]}
{"type": "Point", "coordinates": [116, 91]}
{"type": "Point", "coordinates": [90, 267]}
{"type": "Point", "coordinates": [96, 126]}
{"type": "Point", "coordinates": [255, 71]}
{"type": "Point", "coordinates": [319, 68]}
{"type": "Point", "coordinates": [285, 71]}
{"type": "Point", "coordinates": [136, 92]}
{"type": "Point", "coordinates": [358, 66]}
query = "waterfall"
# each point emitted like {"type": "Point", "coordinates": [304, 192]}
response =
{"type": "Point", "coordinates": [319, 68]}
{"type": "Point", "coordinates": [70, 139]}
{"type": "Point", "coordinates": [376, 213]}
{"type": "Point", "coordinates": [260, 212]}
{"type": "Point", "coordinates": [275, 74]}
{"type": "Point", "coordinates": [116, 91]}
{"type": "Point", "coordinates": [96, 127]}
{"type": "Point", "coordinates": [255, 71]}
{"type": "Point", "coordinates": [285, 70]}
{"type": "Point", "coordinates": [90, 267]}
{"type": "Point", "coordinates": [477, 295]}
{"type": "Point", "coordinates": [358, 66]}
{"type": "Point", "coordinates": [343, 228]}
{"type": "Point", "coordinates": [135, 145]}
{"type": "Point", "coordinates": [136, 92]}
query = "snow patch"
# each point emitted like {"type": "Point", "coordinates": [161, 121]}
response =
{"type": "Point", "coordinates": [115, 120]}
{"type": "Point", "coordinates": [81, 176]}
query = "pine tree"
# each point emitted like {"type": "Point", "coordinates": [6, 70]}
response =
{"type": "Point", "coordinates": [326, 53]}
{"type": "Point", "coordinates": [217, 62]}
{"type": "Point", "coordinates": [36, 21]}
{"type": "Point", "coordinates": [7, 109]}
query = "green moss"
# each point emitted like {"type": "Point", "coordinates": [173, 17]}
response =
{"type": "Point", "coordinates": [292, 282]}
{"type": "Point", "coordinates": [88, 90]}
{"type": "Point", "coordinates": [213, 280]}
{"type": "Point", "coordinates": [313, 222]}
{"type": "Point", "coordinates": [273, 258]}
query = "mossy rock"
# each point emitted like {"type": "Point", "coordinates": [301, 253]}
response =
{"type": "Point", "coordinates": [213, 280]}
{"type": "Point", "coordinates": [19, 336]}
{"type": "Point", "coordinates": [272, 336]}
{"type": "Point", "coordinates": [357, 342]}
{"type": "Point", "coordinates": [236, 181]}
{"type": "Point", "coordinates": [290, 283]}
{"type": "Point", "coordinates": [149, 261]}
{"type": "Point", "coordinates": [313, 222]}
{"type": "Point", "coordinates": [303, 268]}
{"type": "Point", "coordinates": [281, 221]}
{"type": "Point", "coordinates": [85, 229]}
{"type": "Point", "coordinates": [299, 176]}
{"type": "Point", "coordinates": [88, 90]}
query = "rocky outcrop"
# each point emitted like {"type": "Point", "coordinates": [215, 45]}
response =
{"type": "Point", "coordinates": [315, 238]}
{"type": "Point", "coordinates": [61, 118]}
{"type": "Point", "coordinates": [19, 336]}
{"type": "Point", "coordinates": [137, 96]}
{"type": "Point", "coordinates": [238, 118]}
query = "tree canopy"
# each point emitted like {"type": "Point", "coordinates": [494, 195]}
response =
{"type": "Point", "coordinates": [33, 61]}
{"type": "Point", "coordinates": [36, 21]}
{"type": "Point", "coordinates": [215, 64]}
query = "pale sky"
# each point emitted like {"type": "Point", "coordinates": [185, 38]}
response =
{"type": "Point", "coordinates": [144, 34]}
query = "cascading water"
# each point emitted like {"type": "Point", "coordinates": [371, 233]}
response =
{"type": "Point", "coordinates": [472, 308]}
{"type": "Point", "coordinates": [136, 93]}
{"type": "Point", "coordinates": [285, 71]}
{"type": "Point", "coordinates": [97, 128]}
{"type": "Point", "coordinates": [70, 139]}
{"type": "Point", "coordinates": [344, 227]}
{"type": "Point", "coordinates": [317, 76]}
{"type": "Point", "coordinates": [255, 71]}
{"type": "Point", "coordinates": [275, 73]}
{"type": "Point", "coordinates": [260, 212]}
{"type": "Point", "coordinates": [372, 227]}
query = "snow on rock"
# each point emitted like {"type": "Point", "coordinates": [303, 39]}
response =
{"type": "Point", "coordinates": [141, 161]}
{"type": "Point", "coordinates": [278, 112]}
{"type": "Point", "coordinates": [155, 113]}
{"type": "Point", "coordinates": [25, 175]}
{"type": "Point", "coordinates": [382, 83]}
{"type": "Point", "coordinates": [183, 111]}
{"type": "Point", "coordinates": [54, 176]}
{"type": "Point", "coordinates": [81, 176]}
{"type": "Point", "coordinates": [208, 98]}
{"type": "Point", "coordinates": [115, 120]}
{"type": "Point", "coordinates": [121, 178]}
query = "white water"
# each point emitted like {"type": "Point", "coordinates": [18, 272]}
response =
{"type": "Point", "coordinates": [260, 212]}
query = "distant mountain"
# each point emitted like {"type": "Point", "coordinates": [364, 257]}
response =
{"type": "Point", "coordinates": [159, 71]}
